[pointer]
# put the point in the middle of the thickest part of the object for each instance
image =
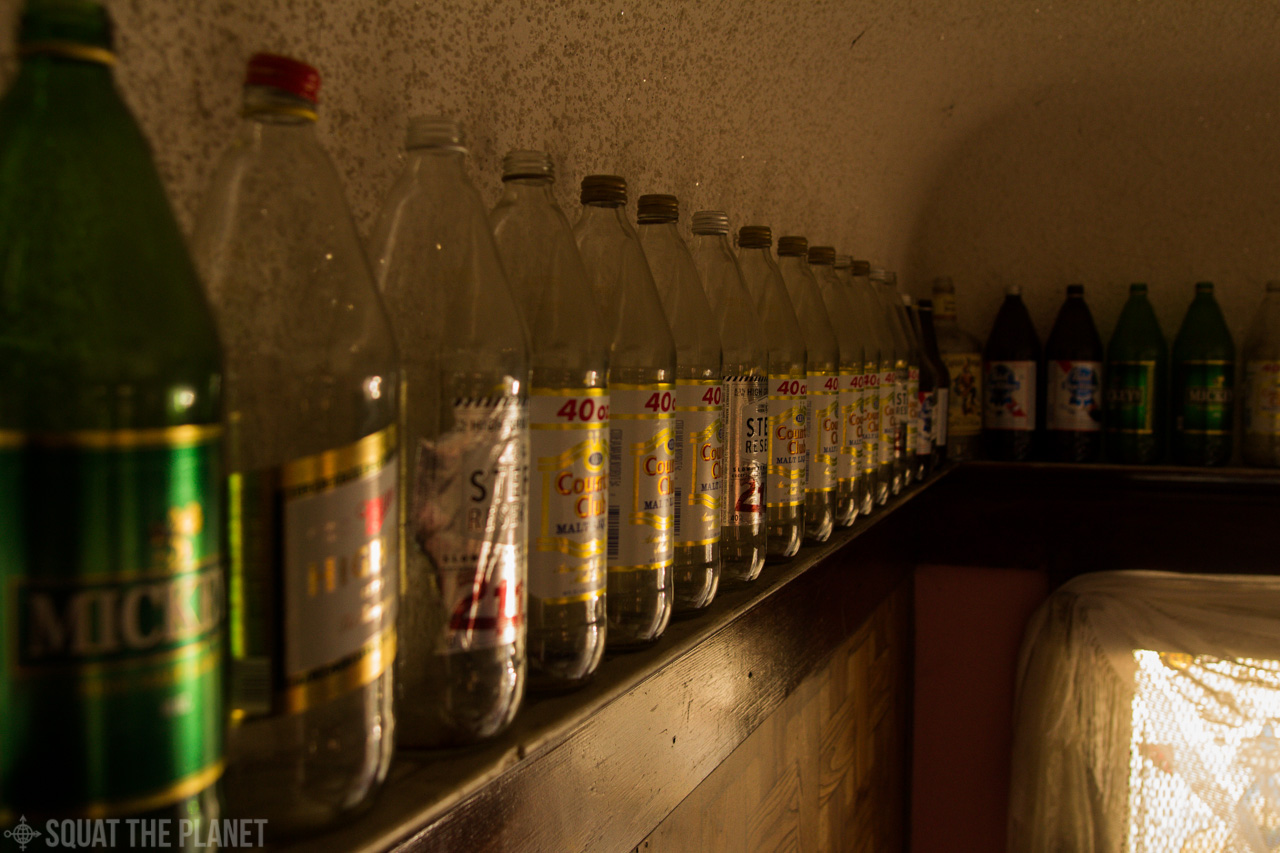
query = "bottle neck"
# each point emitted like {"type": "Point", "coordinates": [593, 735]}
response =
{"type": "Point", "coordinates": [266, 105]}
{"type": "Point", "coordinates": [526, 190]}
{"type": "Point", "coordinates": [62, 82]}
{"type": "Point", "coordinates": [603, 216]}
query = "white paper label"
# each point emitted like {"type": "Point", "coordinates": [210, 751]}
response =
{"type": "Point", "coordinates": [1010, 388]}
{"type": "Point", "coordinates": [1074, 395]}
{"type": "Point", "coordinates": [746, 415]}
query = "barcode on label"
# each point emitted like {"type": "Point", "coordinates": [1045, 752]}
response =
{"type": "Point", "coordinates": [615, 517]}
{"type": "Point", "coordinates": [615, 481]}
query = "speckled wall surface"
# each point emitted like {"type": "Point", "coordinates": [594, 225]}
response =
{"type": "Point", "coordinates": [998, 141]}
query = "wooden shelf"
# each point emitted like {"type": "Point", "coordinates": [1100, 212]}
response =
{"type": "Point", "coordinates": [597, 769]}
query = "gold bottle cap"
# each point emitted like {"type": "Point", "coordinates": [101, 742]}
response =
{"type": "Point", "coordinates": [792, 245]}
{"type": "Point", "coordinates": [656, 208]}
{"type": "Point", "coordinates": [822, 255]}
{"type": "Point", "coordinates": [862, 268]}
{"type": "Point", "coordinates": [527, 164]}
{"type": "Point", "coordinates": [755, 237]}
{"type": "Point", "coordinates": [608, 190]}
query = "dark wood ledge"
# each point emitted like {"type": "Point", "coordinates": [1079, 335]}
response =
{"type": "Point", "coordinates": [1069, 519]}
{"type": "Point", "coordinates": [599, 768]}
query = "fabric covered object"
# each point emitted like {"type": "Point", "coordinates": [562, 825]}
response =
{"type": "Point", "coordinates": [1148, 717]}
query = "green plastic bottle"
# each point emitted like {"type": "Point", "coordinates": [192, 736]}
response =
{"type": "Point", "coordinates": [111, 692]}
{"type": "Point", "coordinates": [1204, 362]}
{"type": "Point", "coordinates": [1136, 375]}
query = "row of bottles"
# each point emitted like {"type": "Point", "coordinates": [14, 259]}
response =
{"type": "Point", "coordinates": [1136, 400]}
{"type": "Point", "coordinates": [479, 450]}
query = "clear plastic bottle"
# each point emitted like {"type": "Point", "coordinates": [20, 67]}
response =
{"type": "Point", "coordinates": [698, 475]}
{"type": "Point", "coordinates": [568, 425]}
{"type": "Point", "coordinates": [851, 276]}
{"type": "Point", "coordinates": [1262, 384]}
{"type": "Point", "coordinates": [312, 385]}
{"type": "Point", "coordinates": [877, 447]}
{"type": "Point", "coordinates": [848, 439]}
{"type": "Point", "coordinates": [893, 387]}
{"type": "Point", "coordinates": [788, 393]}
{"type": "Point", "coordinates": [942, 393]}
{"type": "Point", "coordinates": [642, 376]}
{"type": "Point", "coordinates": [745, 364]}
{"type": "Point", "coordinates": [962, 353]}
{"type": "Point", "coordinates": [461, 668]}
{"type": "Point", "coordinates": [908, 403]}
{"type": "Point", "coordinates": [926, 397]}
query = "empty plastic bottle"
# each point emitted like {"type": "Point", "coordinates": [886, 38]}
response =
{"type": "Point", "coordinates": [908, 404]}
{"type": "Point", "coordinates": [877, 449]}
{"type": "Point", "coordinates": [568, 425]}
{"type": "Point", "coordinates": [1203, 395]}
{"type": "Point", "coordinates": [962, 353]}
{"type": "Point", "coordinates": [1010, 368]}
{"type": "Point", "coordinates": [942, 392]}
{"type": "Point", "coordinates": [788, 393]}
{"type": "Point", "coordinates": [893, 386]}
{"type": "Point", "coordinates": [312, 384]}
{"type": "Point", "coordinates": [698, 476]}
{"type": "Point", "coordinates": [466, 367]}
{"type": "Point", "coordinates": [745, 364]}
{"type": "Point", "coordinates": [1135, 378]}
{"type": "Point", "coordinates": [1073, 384]}
{"type": "Point", "coordinates": [642, 377]}
{"type": "Point", "coordinates": [1262, 384]}
{"type": "Point", "coordinates": [848, 438]}
{"type": "Point", "coordinates": [822, 389]}
{"type": "Point", "coordinates": [926, 397]}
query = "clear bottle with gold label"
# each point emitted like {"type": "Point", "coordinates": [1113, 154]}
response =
{"type": "Point", "coordinates": [745, 364]}
{"type": "Point", "coordinates": [877, 438]}
{"type": "Point", "coordinates": [788, 405]}
{"type": "Point", "coordinates": [962, 354]}
{"type": "Point", "coordinates": [461, 667]}
{"type": "Point", "coordinates": [846, 428]}
{"type": "Point", "coordinates": [822, 387]}
{"type": "Point", "coordinates": [642, 391]}
{"type": "Point", "coordinates": [893, 386]}
{"type": "Point", "coordinates": [1261, 357]}
{"type": "Point", "coordinates": [866, 414]}
{"type": "Point", "coordinates": [568, 425]}
{"type": "Point", "coordinates": [312, 389]}
{"type": "Point", "coordinates": [698, 474]}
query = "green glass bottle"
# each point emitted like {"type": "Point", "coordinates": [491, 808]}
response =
{"type": "Point", "coordinates": [1135, 377]}
{"type": "Point", "coordinates": [1204, 361]}
{"type": "Point", "coordinates": [111, 698]}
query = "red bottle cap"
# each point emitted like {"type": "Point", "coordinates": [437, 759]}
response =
{"type": "Point", "coordinates": [281, 72]}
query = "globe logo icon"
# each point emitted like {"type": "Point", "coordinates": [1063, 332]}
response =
{"type": "Point", "coordinates": [22, 833]}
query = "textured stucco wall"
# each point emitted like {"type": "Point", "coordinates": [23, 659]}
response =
{"type": "Point", "coordinates": [998, 141]}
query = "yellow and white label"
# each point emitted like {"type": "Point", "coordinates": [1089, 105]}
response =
{"type": "Point", "coordinates": [850, 464]}
{"type": "Point", "coordinates": [699, 461]}
{"type": "Point", "coordinates": [641, 476]}
{"type": "Point", "coordinates": [788, 440]}
{"type": "Point", "coordinates": [824, 418]}
{"type": "Point", "coordinates": [568, 493]}
{"type": "Point", "coordinates": [870, 418]}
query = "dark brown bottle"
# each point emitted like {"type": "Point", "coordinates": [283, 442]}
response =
{"type": "Point", "coordinates": [1010, 381]}
{"type": "Point", "coordinates": [1073, 384]}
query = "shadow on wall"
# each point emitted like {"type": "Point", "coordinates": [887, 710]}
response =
{"type": "Point", "coordinates": [1107, 181]}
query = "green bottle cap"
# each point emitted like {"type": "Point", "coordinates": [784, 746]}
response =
{"type": "Point", "coordinates": [755, 237]}
{"type": "Point", "coordinates": [70, 29]}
